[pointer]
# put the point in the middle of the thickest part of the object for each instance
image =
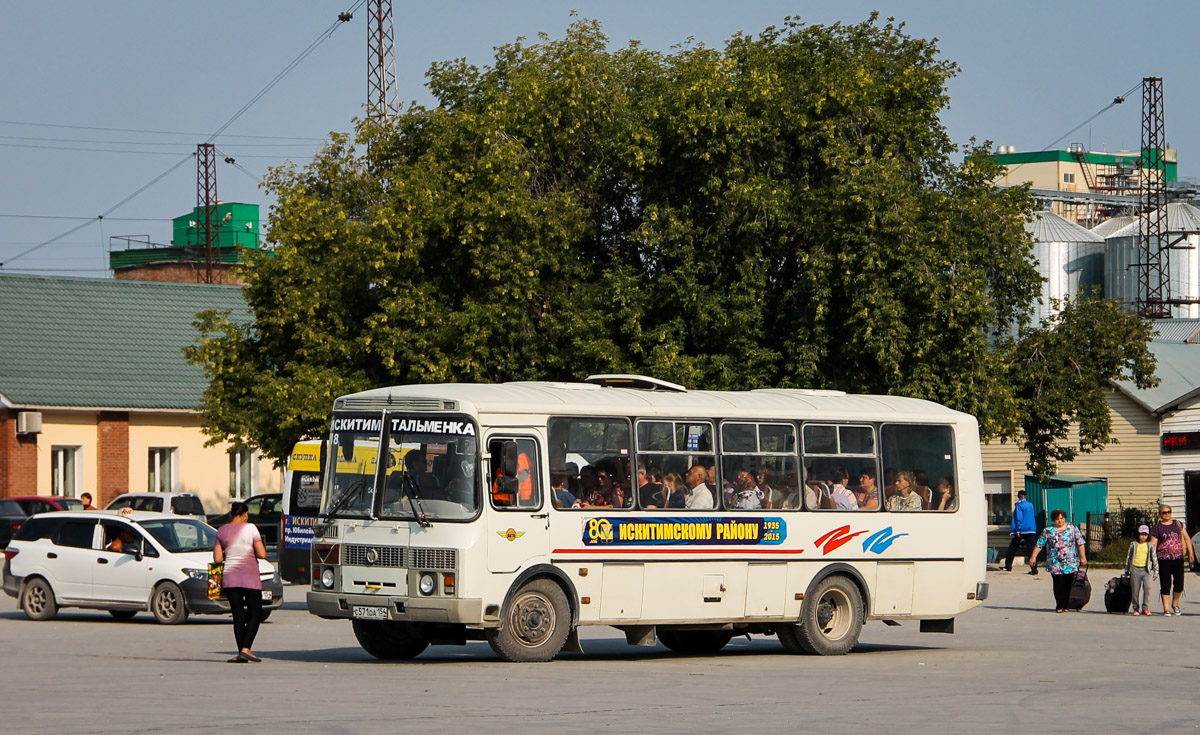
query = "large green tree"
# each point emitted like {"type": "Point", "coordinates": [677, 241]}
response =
{"type": "Point", "coordinates": [786, 211]}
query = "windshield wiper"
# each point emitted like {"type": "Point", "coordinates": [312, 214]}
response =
{"type": "Point", "coordinates": [414, 501]}
{"type": "Point", "coordinates": [354, 491]}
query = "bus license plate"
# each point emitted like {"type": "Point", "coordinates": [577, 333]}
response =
{"type": "Point", "coordinates": [369, 613]}
{"type": "Point", "coordinates": [268, 595]}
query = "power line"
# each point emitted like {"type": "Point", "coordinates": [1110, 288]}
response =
{"type": "Point", "coordinates": [342, 18]}
{"type": "Point", "coordinates": [117, 150]}
{"type": "Point", "coordinates": [111, 219]}
{"type": "Point", "coordinates": [156, 132]}
{"type": "Point", "coordinates": [152, 142]}
{"type": "Point", "coordinates": [1119, 99]}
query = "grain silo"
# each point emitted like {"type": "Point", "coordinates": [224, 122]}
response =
{"type": "Point", "coordinates": [1068, 256]}
{"type": "Point", "coordinates": [1123, 254]}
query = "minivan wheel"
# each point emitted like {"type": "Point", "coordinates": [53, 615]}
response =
{"type": "Point", "coordinates": [168, 604]}
{"type": "Point", "coordinates": [38, 600]}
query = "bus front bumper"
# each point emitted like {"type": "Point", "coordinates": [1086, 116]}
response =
{"type": "Point", "coordinates": [336, 605]}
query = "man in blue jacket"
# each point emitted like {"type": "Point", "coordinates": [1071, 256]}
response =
{"type": "Point", "coordinates": [1024, 532]}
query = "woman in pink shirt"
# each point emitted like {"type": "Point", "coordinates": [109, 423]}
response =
{"type": "Point", "coordinates": [240, 547]}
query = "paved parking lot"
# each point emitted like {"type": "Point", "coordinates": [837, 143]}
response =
{"type": "Point", "coordinates": [1011, 667]}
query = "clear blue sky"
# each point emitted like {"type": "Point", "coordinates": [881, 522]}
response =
{"type": "Point", "coordinates": [1030, 71]}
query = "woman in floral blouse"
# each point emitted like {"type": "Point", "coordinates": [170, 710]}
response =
{"type": "Point", "coordinates": [1065, 552]}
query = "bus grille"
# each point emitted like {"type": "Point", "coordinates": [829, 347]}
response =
{"type": "Point", "coordinates": [373, 556]}
{"type": "Point", "coordinates": [325, 531]}
{"type": "Point", "coordinates": [432, 559]}
{"type": "Point", "coordinates": [398, 556]}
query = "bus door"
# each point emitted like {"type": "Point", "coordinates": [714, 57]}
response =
{"type": "Point", "coordinates": [301, 505]}
{"type": "Point", "coordinates": [517, 516]}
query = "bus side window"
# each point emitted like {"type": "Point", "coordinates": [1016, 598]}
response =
{"type": "Point", "coordinates": [922, 458]}
{"type": "Point", "coordinates": [515, 481]}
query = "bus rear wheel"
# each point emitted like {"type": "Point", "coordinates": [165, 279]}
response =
{"type": "Point", "coordinates": [695, 641]}
{"type": "Point", "coordinates": [388, 640]}
{"type": "Point", "coordinates": [535, 624]}
{"type": "Point", "coordinates": [830, 622]}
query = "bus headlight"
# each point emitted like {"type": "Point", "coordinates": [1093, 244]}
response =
{"type": "Point", "coordinates": [427, 584]}
{"type": "Point", "coordinates": [327, 578]}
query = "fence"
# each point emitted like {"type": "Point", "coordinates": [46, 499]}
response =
{"type": "Point", "coordinates": [1102, 529]}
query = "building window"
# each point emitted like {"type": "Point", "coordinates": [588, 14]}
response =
{"type": "Point", "coordinates": [241, 473]}
{"type": "Point", "coordinates": [64, 471]}
{"type": "Point", "coordinates": [1068, 178]}
{"type": "Point", "coordinates": [162, 469]}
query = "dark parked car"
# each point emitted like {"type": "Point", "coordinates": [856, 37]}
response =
{"type": "Point", "coordinates": [47, 503]}
{"type": "Point", "coordinates": [11, 518]}
{"type": "Point", "coordinates": [265, 512]}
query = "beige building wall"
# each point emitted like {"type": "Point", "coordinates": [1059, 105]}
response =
{"type": "Point", "coordinates": [1132, 466]}
{"type": "Point", "coordinates": [197, 468]}
{"type": "Point", "coordinates": [66, 430]}
{"type": "Point", "coordinates": [1046, 175]}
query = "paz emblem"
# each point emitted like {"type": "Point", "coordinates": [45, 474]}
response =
{"type": "Point", "coordinates": [510, 534]}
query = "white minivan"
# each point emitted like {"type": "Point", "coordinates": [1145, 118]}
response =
{"type": "Point", "coordinates": [160, 564]}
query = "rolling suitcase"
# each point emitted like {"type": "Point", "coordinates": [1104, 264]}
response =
{"type": "Point", "coordinates": [1118, 594]}
{"type": "Point", "coordinates": [1081, 591]}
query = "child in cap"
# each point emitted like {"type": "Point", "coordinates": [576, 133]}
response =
{"type": "Point", "coordinates": [1141, 566]}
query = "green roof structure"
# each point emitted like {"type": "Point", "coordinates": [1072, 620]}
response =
{"type": "Point", "coordinates": [100, 343]}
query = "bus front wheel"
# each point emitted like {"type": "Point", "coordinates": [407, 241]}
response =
{"type": "Point", "coordinates": [830, 622]}
{"type": "Point", "coordinates": [535, 624]}
{"type": "Point", "coordinates": [389, 640]}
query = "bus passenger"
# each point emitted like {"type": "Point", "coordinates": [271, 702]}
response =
{"type": "Point", "coordinates": [772, 498]}
{"type": "Point", "coordinates": [673, 490]}
{"type": "Point", "coordinates": [905, 497]}
{"type": "Point", "coordinates": [945, 493]}
{"type": "Point", "coordinates": [843, 499]}
{"type": "Point", "coordinates": [868, 491]}
{"type": "Point", "coordinates": [561, 497]}
{"type": "Point", "coordinates": [652, 494]}
{"type": "Point", "coordinates": [699, 496]}
{"type": "Point", "coordinates": [588, 484]}
{"type": "Point", "coordinates": [746, 495]}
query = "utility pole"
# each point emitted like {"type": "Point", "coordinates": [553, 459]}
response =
{"type": "Point", "coordinates": [382, 96]}
{"type": "Point", "coordinates": [1154, 273]}
{"type": "Point", "coordinates": [206, 203]}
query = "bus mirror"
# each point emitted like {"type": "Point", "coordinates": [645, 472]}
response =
{"type": "Point", "coordinates": [348, 452]}
{"type": "Point", "coordinates": [510, 462]}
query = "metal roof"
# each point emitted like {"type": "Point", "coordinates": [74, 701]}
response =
{"type": "Point", "coordinates": [1181, 218]}
{"type": "Point", "coordinates": [1178, 371]}
{"type": "Point", "coordinates": [1049, 227]}
{"type": "Point", "coordinates": [1112, 224]}
{"type": "Point", "coordinates": [1176, 330]}
{"type": "Point", "coordinates": [103, 343]}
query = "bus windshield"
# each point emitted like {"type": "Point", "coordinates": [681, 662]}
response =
{"type": "Point", "coordinates": [429, 468]}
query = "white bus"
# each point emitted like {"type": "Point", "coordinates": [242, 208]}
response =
{"type": "Point", "coordinates": [516, 513]}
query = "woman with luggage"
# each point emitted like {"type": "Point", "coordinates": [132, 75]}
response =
{"type": "Point", "coordinates": [1172, 545]}
{"type": "Point", "coordinates": [1141, 566]}
{"type": "Point", "coordinates": [1065, 553]}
